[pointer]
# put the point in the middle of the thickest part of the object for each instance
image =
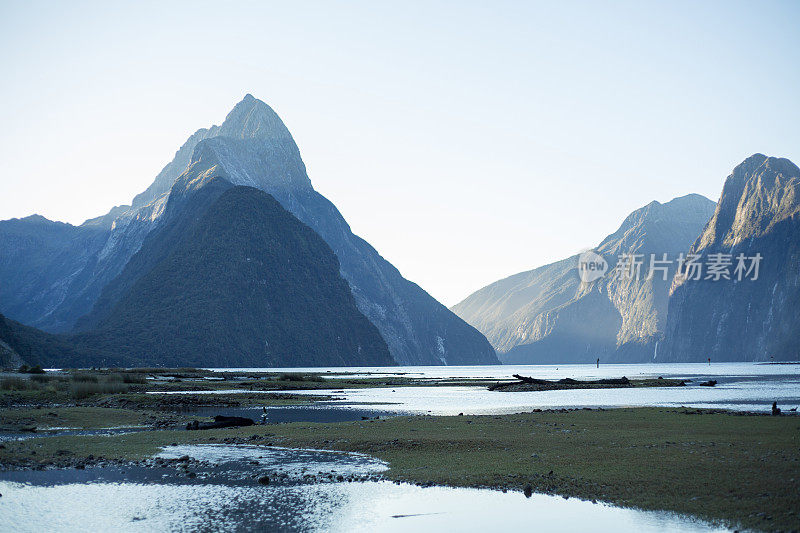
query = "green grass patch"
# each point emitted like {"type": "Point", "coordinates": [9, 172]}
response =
{"type": "Point", "coordinates": [72, 417]}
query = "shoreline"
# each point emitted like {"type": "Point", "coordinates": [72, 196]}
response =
{"type": "Point", "coordinates": [733, 469]}
{"type": "Point", "coordinates": [738, 469]}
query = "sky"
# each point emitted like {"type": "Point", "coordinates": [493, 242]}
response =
{"type": "Point", "coordinates": [466, 141]}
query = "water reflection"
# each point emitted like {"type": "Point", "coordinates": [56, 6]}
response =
{"type": "Point", "coordinates": [49, 501]}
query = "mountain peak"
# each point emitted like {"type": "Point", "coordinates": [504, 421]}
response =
{"type": "Point", "coordinates": [778, 165]}
{"type": "Point", "coordinates": [690, 205]}
{"type": "Point", "coordinates": [665, 227]}
{"type": "Point", "coordinates": [691, 201]}
{"type": "Point", "coordinates": [754, 161]}
{"type": "Point", "coordinates": [38, 220]}
{"type": "Point", "coordinates": [252, 118]}
{"type": "Point", "coordinates": [760, 192]}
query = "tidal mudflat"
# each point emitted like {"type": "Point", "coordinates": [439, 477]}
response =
{"type": "Point", "coordinates": [662, 467]}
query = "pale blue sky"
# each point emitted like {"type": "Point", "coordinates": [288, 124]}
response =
{"type": "Point", "coordinates": [465, 141]}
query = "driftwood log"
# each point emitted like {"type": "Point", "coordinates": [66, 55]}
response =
{"type": "Point", "coordinates": [569, 381]}
{"type": "Point", "coordinates": [565, 383]}
{"type": "Point", "coordinates": [221, 421]}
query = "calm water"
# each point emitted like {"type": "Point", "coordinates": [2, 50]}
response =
{"type": "Point", "coordinates": [230, 500]}
{"type": "Point", "coordinates": [555, 371]}
{"type": "Point", "coordinates": [741, 386]}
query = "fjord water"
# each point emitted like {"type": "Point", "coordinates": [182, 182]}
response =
{"type": "Point", "coordinates": [230, 500]}
{"type": "Point", "coordinates": [740, 386]}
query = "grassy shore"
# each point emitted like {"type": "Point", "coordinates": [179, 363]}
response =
{"type": "Point", "coordinates": [73, 418]}
{"type": "Point", "coordinates": [87, 386]}
{"type": "Point", "coordinates": [737, 470]}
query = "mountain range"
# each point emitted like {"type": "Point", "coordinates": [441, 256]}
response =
{"type": "Point", "coordinates": [549, 315]}
{"type": "Point", "coordinates": [231, 258]}
{"type": "Point", "coordinates": [88, 282]}
{"type": "Point", "coordinates": [672, 313]}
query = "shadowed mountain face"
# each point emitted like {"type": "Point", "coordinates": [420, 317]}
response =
{"type": "Point", "coordinates": [747, 320]}
{"type": "Point", "coordinates": [548, 315]}
{"type": "Point", "coordinates": [9, 357]}
{"type": "Point", "coordinates": [20, 344]}
{"type": "Point", "coordinates": [41, 265]}
{"type": "Point", "coordinates": [241, 283]}
{"type": "Point", "coordinates": [254, 148]}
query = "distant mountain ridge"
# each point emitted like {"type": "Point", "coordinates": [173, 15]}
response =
{"type": "Point", "coordinates": [252, 147]}
{"type": "Point", "coordinates": [41, 265]}
{"type": "Point", "coordinates": [548, 315]}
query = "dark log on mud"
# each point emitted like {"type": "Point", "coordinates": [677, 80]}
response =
{"type": "Point", "coordinates": [525, 383]}
{"type": "Point", "coordinates": [221, 421]}
{"type": "Point", "coordinates": [533, 381]}
{"type": "Point", "coordinates": [569, 381]}
{"type": "Point", "coordinates": [614, 381]}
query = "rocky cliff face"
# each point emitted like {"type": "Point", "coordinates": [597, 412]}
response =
{"type": "Point", "coordinates": [548, 315]}
{"type": "Point", "coordinates": [9, 358]}
{"type": "Point", "coordinates": [254, 148]}
{"type": "Point", "coordinates": [744, 320]}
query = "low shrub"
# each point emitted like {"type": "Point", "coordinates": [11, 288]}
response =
{"type": "Point", "coordinates": [84, 389]}
{"type": "Point", "coordinates": [14, 384]}
{"type": "Point", "coordinates": [133, 378]}
{"type": "Point", "coordinates": [25, 369]}
{"type": "Point", "coordinates": [84, 378]}
{"type": "Point", "coordinates": [293, 376]}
